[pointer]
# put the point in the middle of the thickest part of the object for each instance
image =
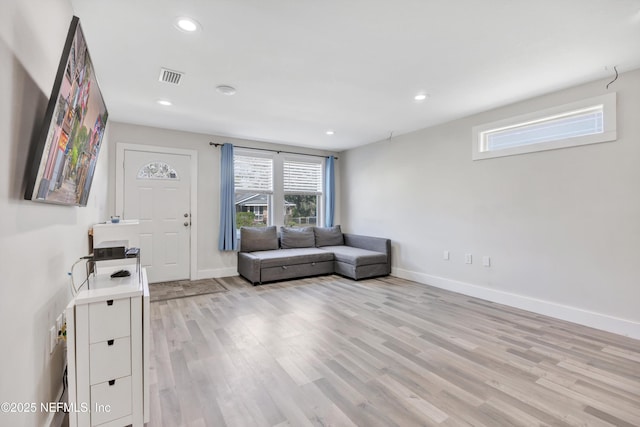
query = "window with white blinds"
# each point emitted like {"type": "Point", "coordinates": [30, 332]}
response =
{"type": "Point", "coordinates": [588, 121]}
{"type": "Point", "coordinates": [253, 174]}
{"type": "Point", "coordinates": [302, 177]}
{"type": "Point", "coordinates": [272, 189]}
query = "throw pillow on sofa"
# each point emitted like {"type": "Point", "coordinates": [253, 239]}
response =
{"type": "Point", "coordinates": [302, 237]}
{"type": "Point", "coordinates": [328, 236]}
{"type": "Point", "coordinates": [258, 238]}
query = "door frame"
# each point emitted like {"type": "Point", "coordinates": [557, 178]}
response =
{"type": "Point", "coordinates": [121, 147]}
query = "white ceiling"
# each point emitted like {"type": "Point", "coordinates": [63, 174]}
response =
{"type": "Point", "coordinates": [301, 67]}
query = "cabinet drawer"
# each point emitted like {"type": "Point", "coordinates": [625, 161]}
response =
{"type": "Point", "coordinates": [109, 319]}
{"type": "Point", "coordinates": [110, 402]}
{"type": "Point", "coordinates": [110, 359]}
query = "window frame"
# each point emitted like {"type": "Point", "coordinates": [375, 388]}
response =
{"type": "Point", "coordinates": [268, 193]}
{"type": "Point", "coordinates": [609, 133]}
{"type": "Point", "coordinates": [319, 194]}
{"type": "Point", "coordinates": [276, 210]}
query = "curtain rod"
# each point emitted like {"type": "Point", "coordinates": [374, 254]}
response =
{"type": "Point", "coordinates": [215, 144]}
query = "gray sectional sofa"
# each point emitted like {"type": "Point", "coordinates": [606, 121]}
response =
{"type": "Point", "coordinates": [266, 255]}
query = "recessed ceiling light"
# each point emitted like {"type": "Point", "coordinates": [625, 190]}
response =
{"type": "Point", "coordinates": [164, 102]}
{"type": "Point", "coordinates": [420, 97]}
{"type": "Point", "coordinates": [330, 132]}
{"type": "Point", "coordinates": [186, 24]}
{"type": "Point", "coordinates": [226, 90]}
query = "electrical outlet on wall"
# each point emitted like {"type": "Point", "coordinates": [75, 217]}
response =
{"type": "Point", "coordinates": [468, 259]}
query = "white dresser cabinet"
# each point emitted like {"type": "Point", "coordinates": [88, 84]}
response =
{"type": "Point", "coordinates": [107, 352]}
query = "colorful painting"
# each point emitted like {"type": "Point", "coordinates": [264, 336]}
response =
{"type": "Point", "coordinates": [73, 129]}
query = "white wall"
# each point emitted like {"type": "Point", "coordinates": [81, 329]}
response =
{"type": "Point", "coordinates": [562, 227]}
{"type": "Point", "coordinates": [210, 262]}
{"type": "Point", "coordinates": [38, 242]}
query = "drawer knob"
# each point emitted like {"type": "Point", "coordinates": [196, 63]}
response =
{"type": "Point", "coordinates": [284, 267]}
{"type": "Point", "coordinates": [110, 342]}
{"type": "Point", "coordinates": [110, 302]}
{"type": "Point", "coordinates": [112, 382]}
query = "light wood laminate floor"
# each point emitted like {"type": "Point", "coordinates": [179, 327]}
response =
{"type": "Point", "coordinates": [329, 351]}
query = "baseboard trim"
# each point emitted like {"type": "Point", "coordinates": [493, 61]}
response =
{"type": "Point", "coordinates": [215, 273]}
{"type": "Point", "coordinates": [580, 316]}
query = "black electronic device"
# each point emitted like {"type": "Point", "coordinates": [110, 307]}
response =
{"type": "Point", "coordinates": [121, 273]}
{"type": "Point", "coordinates": [110, 249]}
{"type": "Point", "coordinates": [132, 253]}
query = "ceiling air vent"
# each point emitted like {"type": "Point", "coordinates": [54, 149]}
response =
{"type": "Point", "coordinates": [170, 76]}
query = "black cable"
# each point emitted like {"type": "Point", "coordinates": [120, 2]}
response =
{"type": "Point", "coordinates": [64, 382]}
{"type": "Point", "coordinates": [89, 259]}
{"type": "Point", "coordinates": [615, 78]}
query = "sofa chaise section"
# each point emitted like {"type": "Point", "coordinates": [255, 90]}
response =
{"type": "Point", "coordinates": [361, 257]}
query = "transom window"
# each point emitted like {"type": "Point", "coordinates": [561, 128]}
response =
{"type": "Point", "coordinates": [588, 121]}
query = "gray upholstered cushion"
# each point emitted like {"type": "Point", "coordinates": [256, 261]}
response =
{"type": "Point", "coordinates": [356, 256]}
{"type": "Point", "coordinates": [301, 237]}
{"type": "Point", "coordinates": [258, 239]}
{"type": "Point", "coordinates": [328, 236]}
{"type": "Point", "coordinates": [285, 257]}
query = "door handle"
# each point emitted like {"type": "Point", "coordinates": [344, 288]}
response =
{"type": "Point", "coordinates": [186, 223]}
{"type": "Point", "coordinates": [186, 215]}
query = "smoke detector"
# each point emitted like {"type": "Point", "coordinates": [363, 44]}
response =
{"type": "Point", "coordinates": [226, 90]}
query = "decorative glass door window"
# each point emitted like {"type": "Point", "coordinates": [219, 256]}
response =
{"type": "Point", "coordinates": [157, 170]}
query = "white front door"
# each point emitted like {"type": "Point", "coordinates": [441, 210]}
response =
{"type": "Point", "coordinates": [157, 192]}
